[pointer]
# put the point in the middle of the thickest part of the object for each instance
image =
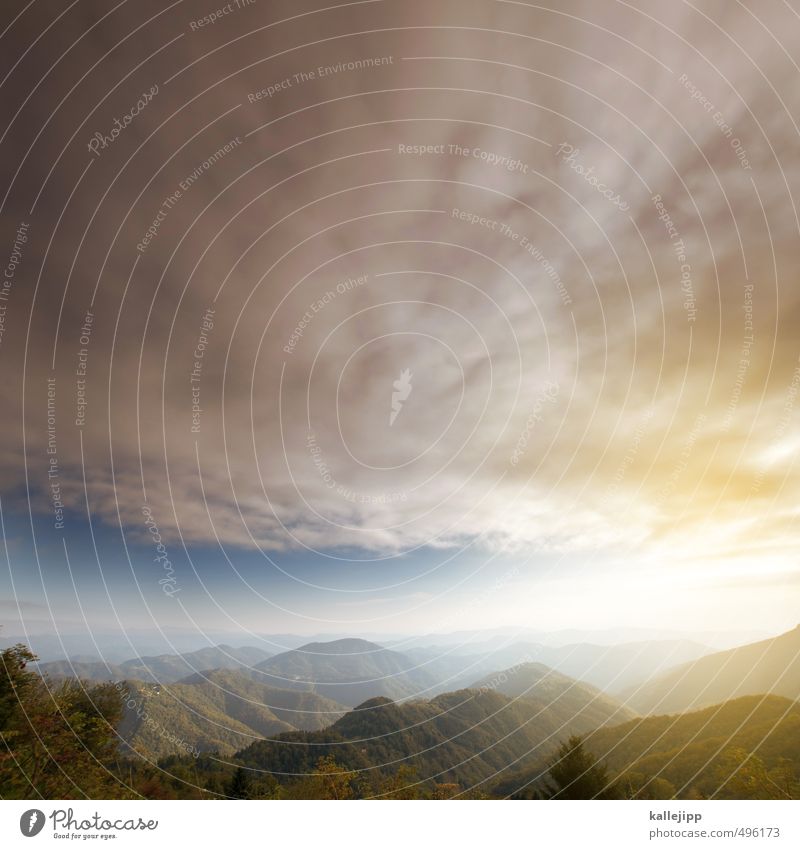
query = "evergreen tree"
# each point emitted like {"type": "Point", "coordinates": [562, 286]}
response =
{"type": "Point", "coordinates": [576, 774]}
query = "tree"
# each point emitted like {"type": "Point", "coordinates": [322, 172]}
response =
{"type": "Point", "coordinates": [57, 741]}
{"type": "Point", "coordinates": [241, 785]}
{"type": "Point", "coordinates": [404, 784]}
{"type": "Point", "coordinates": [639, 786]}
{"type": "Point", "coordinates": [742, 775]}
{"type": "Point", "coordinates": [446, 790]}
{"type": "Point", "coordinates": [785, 779]}
{"type": "Point", "coordinates": [576, 774]}
{"type": "Point", "coordinates": [330, 781]}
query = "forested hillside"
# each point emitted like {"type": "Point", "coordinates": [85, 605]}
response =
{"type": "Point", "coordinates": [742, 749]}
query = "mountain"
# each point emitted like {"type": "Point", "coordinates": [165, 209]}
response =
{"type": "Point", "coordinates": [769, 666]}
{"type": "Point", "coordinates": [164, 669]}
{"type": "Point", "coordinates": [744, 748]}
{"type": "Point", "coordinates": [297, 708]}
{"type": "Point", "coordinates": [464, 736]}
{"type": "Point", "coordinates": [221, 711]}
{"type": "Point", "coordinates": [86, 670]}
{"type": "Point", "coordinates": [570, 697]}
{"type": "Point", "coordinates": [347, 671]}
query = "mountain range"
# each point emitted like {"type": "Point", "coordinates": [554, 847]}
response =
{"type": "Point", "coordinates": [72, 642]}
{"type": "Point", "coordinates": [464, 736]}
{"type": "Point", "coordinates": [163, 668]}
{"type": "Point", "coordinates": [423, 670]}
{"type": "Point", "coordinates": [226, 710]}
{"type": "Point", "coordinates": [446, 713]}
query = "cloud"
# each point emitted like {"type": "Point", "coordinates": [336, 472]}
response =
{"type": "Point", "coordinates": [351, 238]}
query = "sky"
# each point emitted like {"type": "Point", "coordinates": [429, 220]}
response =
{"type": "Point", "coordinates": [400, 317]}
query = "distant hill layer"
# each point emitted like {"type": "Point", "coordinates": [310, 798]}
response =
{"type": "Point", "coordinates": [420, 671]}
{"type": "Point", "coordinates": [613, 669]}
{"type": "Point", "coordinates": [163, 668]}
{"type": "Point", "coordinates": [769, 666]}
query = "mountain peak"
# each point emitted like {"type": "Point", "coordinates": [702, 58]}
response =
{"type": "Point", "coordinates": [346, 645]}
{"type": "Point", "coordinates": [371, 704]}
